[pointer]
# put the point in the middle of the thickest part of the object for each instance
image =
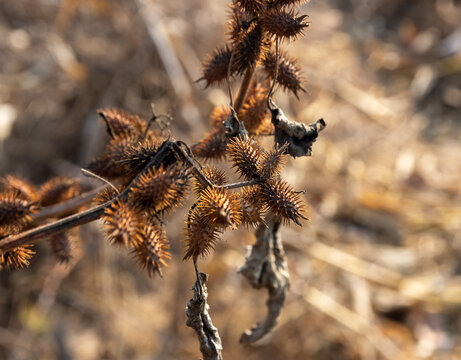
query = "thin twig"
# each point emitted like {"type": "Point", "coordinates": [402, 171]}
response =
{"type": "Point", "coordinates": [80, 218]}
{"type": "Point", "coordinates": [66, 207]}
{"type": "Point", "coordinates": [274, 81]}
{"type": "Point", "coordinates": [32, 235]}
{"type": "Point", "coordinates": [107, 182]}
{"type": "Point", "coordinates": [84, 217]}
{"type": "Point", "coordinates": [240, 184]}
{"type": "Point", "coordinates": [244, 88]}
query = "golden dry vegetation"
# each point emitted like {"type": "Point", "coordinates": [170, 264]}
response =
{"type": "Point", "coordinates": [375, 272]}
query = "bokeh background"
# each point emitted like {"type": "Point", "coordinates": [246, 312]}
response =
{"type": "Point", "coordinates": [376, 272]}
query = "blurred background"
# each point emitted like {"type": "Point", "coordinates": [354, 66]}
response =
{"type": "Point", "coordinates": [376, 272]}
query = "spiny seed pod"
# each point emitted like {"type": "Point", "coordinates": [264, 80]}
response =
{"type": "Point", "coordinates": [214, 69]}
{"type": "Point", "coordinates": [219, 115]}
{"type": "Point", "coordinates": [110, 165]}
{"type": "Point", "coordinates": [16, 258]}
{"type": "Point", "coordinates": [272, 162]}
{"type": "Point", "coordinates": [201, 237]}
{"type": "Point", "coordinates": [239, 23]}
{"type": "Point", "coordinates": [117, 150]}
{"type": "Point", "coordinates": [214, 175]}
{"type": "Point", "coordinates": [250, 49]}
{"type": "Point", "coordinates": [245, 153]}
{"type": "Point", "coordinates": [58, 189]}
{"type": "Point", "coordinates": [180, 189]}
{"type": "Point", "coordinates": [253, 7]}
{"type": "Point", "coordinates": [14, 210]}
{"type": "Point", "coordinates": [212, 147]}
{"type": "Point", "coordinates": [252, 206]}
{"type": "Point", "coordinates": [105, 195]}
{"type": "Point", "coordinates": [103, 167]}
{"type": "Point", "coordinates": [121, 124]}
{"type": "Point", "coordinates": [220, 208]}
{"type": "Point", "coordinates": [282, 200]}
{"type": "Point", "coordinates": [254, 112]}
{"type": "Point", "coordinates": [24, 189]}
{"type": "Point", "coordinates": [6, 230]}
{"type": "Point", "coordinates": [284, 25]}
{"type": "Point", "coordinates": [122, 223]}
{"type": "Point", "coordinates": [61, 245]}
{"type": "Point", "coordinates": [288, 73]}
{"type": "Point", "coordinates": [152, 252]}
{"type": "Point", "coordinates": [137, 156]}
{"type": "Point", "coordinates": [159, 189]}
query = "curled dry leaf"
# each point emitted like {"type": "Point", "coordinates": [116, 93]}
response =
{"type": "Point", "coordinates": [298, 136]}
{"type": "Point", "coordinates": [266, 267]}
{"type": "Point", "coordinates": [199, 319]}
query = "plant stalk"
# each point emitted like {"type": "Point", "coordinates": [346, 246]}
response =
{"type": "Point", "coordinates": [244, 88]}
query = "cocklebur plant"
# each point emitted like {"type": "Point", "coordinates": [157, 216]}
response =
{"type": "Point", "coordinates": [148, 174]}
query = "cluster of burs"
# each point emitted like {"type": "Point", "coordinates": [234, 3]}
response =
{"type": "Point", "coordinates": [149, 174]}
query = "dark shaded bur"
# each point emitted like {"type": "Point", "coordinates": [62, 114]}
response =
{"type": "Point", "coordinates": [58, 189]}
{"type": "Point", "coordinates": [284, 24]}
{"type": "Point", "coordinates": [287, 71]}
{"type": "Point", "coordinates": [214, 175]}
{"type": "Point", "coordinates": [254, 112]}
{"type": "Point", "coordinates": [212, 146]}
{"type": "Point", "coordinates": [61, 245]}
{"type": "Point", "coordinates": [298, 136]}
{"type": "Point", "coordinates": [250, 49]}
{"type": "Point", "coordinates": [215, 67]}
{"type": "Point", "coordinates": [252, 7]}
{"type": "Point", "coordinates": [14, 209]}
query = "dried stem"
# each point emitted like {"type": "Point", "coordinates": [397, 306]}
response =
{"type": "Point", "coordinates": [80, 218]}
{"type": "Point", "coordinates": [266, 267]}
{"type": "Point", "coordinates": [240, 184]}
{"type": "Point", "coordinates": [199, 319]}
{"type": "Point", "coordinates": [66, 207]}
{"type": "Point", "coordinates": [32, 235]}
{"type": "Point", "coordinates": [244, 88]}
{"type": "Point", "coordinates": [94, 213]}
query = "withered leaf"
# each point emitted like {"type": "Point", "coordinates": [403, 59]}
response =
{"type": "Point", "coordinates": [298, 136]}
